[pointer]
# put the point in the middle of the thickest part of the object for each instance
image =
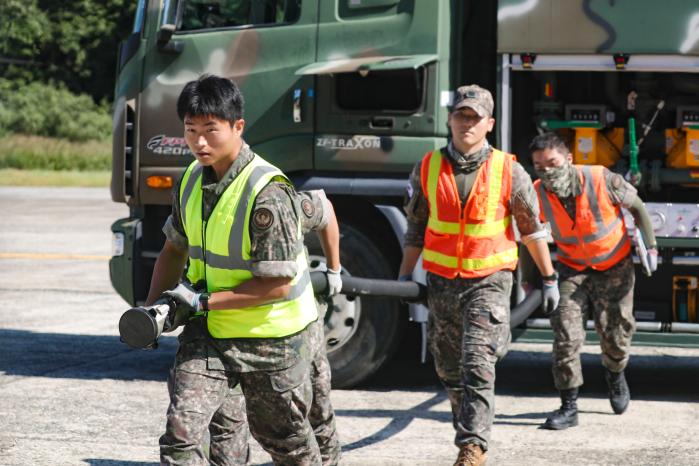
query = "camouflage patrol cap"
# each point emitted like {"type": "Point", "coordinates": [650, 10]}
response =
{"type": "Point", "coordinates": [475, 97]}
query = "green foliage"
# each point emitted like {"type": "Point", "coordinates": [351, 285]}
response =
{"type": "Point", "coordinates": [41, 153]}
{"type": "Point", "coordinates": [24, 27]}
{"type": "Point", "coordinates": [46, 110]}
{"type": "Point", "coordinates": [74, 42]}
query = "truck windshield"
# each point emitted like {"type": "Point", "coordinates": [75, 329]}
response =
{"type": "Point", "coordinates": [213, 14]}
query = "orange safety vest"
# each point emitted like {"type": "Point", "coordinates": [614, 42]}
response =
{"type": "Point", "coordinates": [597, 238]}
{"type": "Point", "coordinates": [478, 239]}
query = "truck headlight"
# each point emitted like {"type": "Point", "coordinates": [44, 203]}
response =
{"type": "Point", "coordinates": [117, 244]}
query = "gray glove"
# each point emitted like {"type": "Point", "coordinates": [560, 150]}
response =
{"type": "Point", "coordinates": [550, 296]}
{"type": "Point", "coordinates": [185, 297]}
{"type": "Point", "coordinates": [652, 259]}
{"type": "Point", "coordinates": [334, 281]}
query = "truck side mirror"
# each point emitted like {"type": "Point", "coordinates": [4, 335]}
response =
{"type": "Point", "coordinates": [168, 26]}
{"type": "Point", "coordinates": [165, 42]}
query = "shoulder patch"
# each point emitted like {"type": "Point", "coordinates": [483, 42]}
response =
{"type": "Point", "coordinates": [308, 208]}
{"type": "Point", "coordinates": [617, 181]}
{"type": "Point", "coordinates": [263, 218]}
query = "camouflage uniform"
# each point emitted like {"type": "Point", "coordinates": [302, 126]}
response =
{"type": "Point", "coordinates": [273, 373]}
{"type": "Point", "coordinates": [228, 430]}
{"type": "Point", "coordinates": [469, 320]}
{"type": "Point", "coordinates": [607, 294]}
{"type": "Point", "coordinates": [322, 416]}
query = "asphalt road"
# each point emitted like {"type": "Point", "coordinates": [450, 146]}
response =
{"type": "Point", "coordinates": [72, 394]}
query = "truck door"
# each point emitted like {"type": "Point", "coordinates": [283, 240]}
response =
{"type": "Point", "coordinates": [382, 80]}
{"type": "Point", "coordinates": [257, 43]}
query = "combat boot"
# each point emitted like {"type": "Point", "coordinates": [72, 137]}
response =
{"type": "Point", "coordinates": [471, 455]}
{"type": "Point", "coordinates": [619, 394]}
{"type": "Point", "coordinates": [567, 415]}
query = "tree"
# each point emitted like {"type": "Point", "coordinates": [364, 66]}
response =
{"type": "Point", "coordinates": [23, 31]}
{"type": "Point", "coordinates": [65, 41]}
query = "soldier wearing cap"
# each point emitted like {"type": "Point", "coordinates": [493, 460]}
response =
{"type": "Point", "coordinates": [460, 204]}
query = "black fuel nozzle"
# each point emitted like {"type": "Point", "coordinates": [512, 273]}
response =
{"type": "Point", "coordinates": [140, 327]}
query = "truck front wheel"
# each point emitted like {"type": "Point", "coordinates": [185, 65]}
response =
{"type": "Point", "coordinates": [361, 333]}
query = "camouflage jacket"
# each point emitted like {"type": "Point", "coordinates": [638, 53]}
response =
{"type": "Point", "coordinates": [312, 210]}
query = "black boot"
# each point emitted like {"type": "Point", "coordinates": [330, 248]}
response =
{"type": "Point", "coordinates": [619, 395]}
{"type": "Point", "coordinates": [567, 415]}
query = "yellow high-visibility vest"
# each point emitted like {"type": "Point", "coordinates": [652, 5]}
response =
{"type": "Point", "coordinates": [219, 253]}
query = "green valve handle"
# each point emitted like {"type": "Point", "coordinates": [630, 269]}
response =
{"type": "Point", "coordinates": [633, 147]}
{"type": "Point", "coordinates": [634, 173]}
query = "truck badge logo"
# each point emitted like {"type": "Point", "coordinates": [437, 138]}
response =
{"type": "Point", "coordinates": [168, 145]}
{"type": "Point", "coordinates": [349, 143]}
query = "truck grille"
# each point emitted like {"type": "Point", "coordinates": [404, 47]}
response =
{"type": "Point", "coordinates": [129, 151]}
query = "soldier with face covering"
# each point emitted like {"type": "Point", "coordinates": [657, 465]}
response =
{"type": "Point", "coordinates": [582, 203]}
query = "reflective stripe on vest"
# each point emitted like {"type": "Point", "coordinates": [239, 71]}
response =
{"type": "Point", "coordinates": [597, 237]}
{"type": "Point", "coordinates": [222, 258]}
{"type": "Point", "coordinates": [490, 261]}
{"type": "Point", "coordinates": [234, 259]}
{"type": "Point", "coordinates": [477, 240]}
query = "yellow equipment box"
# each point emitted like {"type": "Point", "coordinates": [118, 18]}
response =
{"type": "Point", "coordinates": [682, 148]}
{"type": "Point", "coordinates": [593, 146]}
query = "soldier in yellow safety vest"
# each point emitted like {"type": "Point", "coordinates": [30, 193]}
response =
{"type": "Point", "coordinates": [460, 204]}
{"type": "Point", "coordinates": [235, 221]}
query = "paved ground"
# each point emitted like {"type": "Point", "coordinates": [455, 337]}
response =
{"type": "Point", "coordinates": [72, 394]}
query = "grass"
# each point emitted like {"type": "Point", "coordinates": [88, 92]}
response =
{"type": "Point", "coordinates": [41, 161]}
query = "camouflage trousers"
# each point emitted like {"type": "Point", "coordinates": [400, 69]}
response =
{"type": "Point", "coordinates": [608, 296]}
{"type": "Point", "coordinates": [468, 332]}
{"type": "Point", "coordinates": [205, 400]}
{"type": "Point", "coordinates": [322, 414]}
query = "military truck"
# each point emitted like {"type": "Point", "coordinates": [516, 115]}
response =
{"type": "Point", "coordinates": [347, 95]}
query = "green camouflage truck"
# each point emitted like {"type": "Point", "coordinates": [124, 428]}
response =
{"type": "Point", "coordinates": [346, 95]}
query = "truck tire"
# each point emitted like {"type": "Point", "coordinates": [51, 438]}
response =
{"type": "Point", "coordinates": [371, 328]}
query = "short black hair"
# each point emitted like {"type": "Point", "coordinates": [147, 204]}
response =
{"type": "Point", "coordinates": [211, 96]}
{"type": "Point", "coordinates": [549, 141]}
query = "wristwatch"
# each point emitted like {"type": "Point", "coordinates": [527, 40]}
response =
{"type": "Point", "coordinates": [551, 278]}
{"type": "Point", "coordinates": [204, 301]}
